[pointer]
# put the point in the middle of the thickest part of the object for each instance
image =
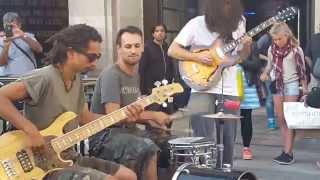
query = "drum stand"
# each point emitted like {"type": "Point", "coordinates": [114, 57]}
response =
{"type": "Point", "coordinates": [220, 123]}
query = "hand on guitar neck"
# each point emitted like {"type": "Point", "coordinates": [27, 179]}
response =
{"type": "Point", "coordinates": [245, 51]}
{"type": "Point", "coordinates": [133, 112]}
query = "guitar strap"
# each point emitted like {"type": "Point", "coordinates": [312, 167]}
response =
{"type": "Point", "coordinates": [26, 54]}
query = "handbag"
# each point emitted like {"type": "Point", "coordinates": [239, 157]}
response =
{"type": "Point", "coordinates": [316, 69]}
{"type": "Point", "coordinates": [240, 85]}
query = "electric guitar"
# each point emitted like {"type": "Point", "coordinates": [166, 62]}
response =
{"type": "Point", "coordinates": [19, 162]}
{"type": "Point", "coordinates": [202, 77]}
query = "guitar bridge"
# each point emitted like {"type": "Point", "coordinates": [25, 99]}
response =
{"type": "Point", "coordinates": [8, 168]}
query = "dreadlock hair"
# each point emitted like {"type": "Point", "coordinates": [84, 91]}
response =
{"type": "Point", "coordinates": [76, 37]}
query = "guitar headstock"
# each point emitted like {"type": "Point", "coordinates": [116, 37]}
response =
{"type": "Point", "coordinates": [287, 14]}
{"type": "Point", "coordinates": [160, 94]}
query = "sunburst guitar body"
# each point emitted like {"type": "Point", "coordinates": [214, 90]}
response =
{"type": "Point", "coordinates": [202, 77]}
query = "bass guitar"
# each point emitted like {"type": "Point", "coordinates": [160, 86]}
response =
{"type": "Point", "coordinates": [19, 162]}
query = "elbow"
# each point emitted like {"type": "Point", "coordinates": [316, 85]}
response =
{"type": "Point", "coordinates": [39, 49]}
{"type": "Point", "coordinates": [171, 50]}
{"type": "Point", "coordinates": [36, 47]}
{"type": "Point", "coordinates": [3, 61]}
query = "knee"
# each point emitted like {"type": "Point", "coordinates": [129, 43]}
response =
{"type": "Point", "coordinates": [125, 173]}
{"type": "Point", "coordinates": [111, 178]}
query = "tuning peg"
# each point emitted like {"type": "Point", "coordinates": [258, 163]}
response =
{"type": "Point", "coordinates": [170, 99]}
{"type": "Point", "coordinates": [164, 105]}
{"type": "Point", "coordinates": [164, 82]}
{"type": "Point", "coordinates": [157, 83]}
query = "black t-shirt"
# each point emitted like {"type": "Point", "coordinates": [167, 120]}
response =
{"type": "Point", "coordinates": [313, 46]}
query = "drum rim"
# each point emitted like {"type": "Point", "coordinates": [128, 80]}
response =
{"type": "Point", "coordinates": [185, 138]}
{"type": "Point", "coordinates": [179, 170]}
{"type": "Point", "coordinates": [189, 144]}
{"type": "Point", "coordinates": [182, 168]}
{"type": "Point", "coordinates": [246, 172]}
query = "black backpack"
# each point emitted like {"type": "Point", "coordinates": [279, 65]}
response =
{"type": "Point", "coordinates": [313, 98]}
{"type": "Point", "coordinates": [316, 69]}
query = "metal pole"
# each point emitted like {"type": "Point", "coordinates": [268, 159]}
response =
{"type": "Point", "coordinates": [298, 24]}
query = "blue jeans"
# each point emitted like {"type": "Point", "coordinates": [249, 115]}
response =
{"type": "Point", "coordinates": [269, 102]}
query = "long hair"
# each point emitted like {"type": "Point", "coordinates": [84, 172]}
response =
{"type": "Point", "coordinates": [282, 27]}
{"type": "Point", "coordinates": [217, 20]}
{"type": "Point", "coordinates": [76, 37]}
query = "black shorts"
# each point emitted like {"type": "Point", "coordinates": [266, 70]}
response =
{"type": "Point", "coordinates": [125, 147]}
{"type": "Point", "coordinates": [85, 168]}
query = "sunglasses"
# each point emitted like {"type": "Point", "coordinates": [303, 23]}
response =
{"type": "Point", "coordinates": [91, 56]}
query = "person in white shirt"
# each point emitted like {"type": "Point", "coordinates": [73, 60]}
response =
{"type": "Point", "coordinates": [223, 19]}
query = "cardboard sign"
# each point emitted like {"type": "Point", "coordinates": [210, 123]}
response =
{"type": "Point", "coordinates": [300, 117]}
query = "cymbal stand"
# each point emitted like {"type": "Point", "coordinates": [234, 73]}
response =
{"type": "Point", "coordinates": [220, 124]}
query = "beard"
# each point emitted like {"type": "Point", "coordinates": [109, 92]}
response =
{"type": "Point", "coordinates": [132, 61]}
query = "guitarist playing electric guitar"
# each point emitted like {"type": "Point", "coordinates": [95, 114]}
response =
{"type": "Point", "coordinates": [222, 21]}
{"type": "Point", "coordinates": [51, 91]}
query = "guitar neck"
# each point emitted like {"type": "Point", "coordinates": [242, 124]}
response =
{"type": "Point", "coordinates": [254, 31]}
{"type": "Point", "coordinates": [71, 138]}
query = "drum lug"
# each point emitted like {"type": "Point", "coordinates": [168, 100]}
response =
{"type": "Point", "coordinates": [226, 168]}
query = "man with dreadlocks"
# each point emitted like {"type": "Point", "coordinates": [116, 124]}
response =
{"type": "Point", "coordinates": [55, 89]}
{"type": "Point", "coordinates": [222, 19]}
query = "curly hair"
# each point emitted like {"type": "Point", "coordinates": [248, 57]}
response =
{"type": "Point", "coordinates": [76, 37]}
{"type": "Point", "coordinates": [217, 20]}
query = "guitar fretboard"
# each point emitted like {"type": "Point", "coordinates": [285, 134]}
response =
{"type": "Point", "coordinates": [290, 12]}
{"type": "Point", "coordinates": [69, 139]}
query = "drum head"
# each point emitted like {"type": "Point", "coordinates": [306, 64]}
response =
{"type": "Point", "coordinates": [184, 140]}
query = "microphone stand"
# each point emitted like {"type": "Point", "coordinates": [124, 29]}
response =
{"type": "Point", "coordinates": [220, 124]}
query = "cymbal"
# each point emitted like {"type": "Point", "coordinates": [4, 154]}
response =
{"type": "Point", "coordinates": [222, 115]}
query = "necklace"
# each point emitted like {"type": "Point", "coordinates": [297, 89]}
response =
{"type": "Point", "coordinates": [68, 84]}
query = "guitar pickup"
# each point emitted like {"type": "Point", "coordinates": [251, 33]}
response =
{"type": "Point", "coordinates": [24, 160]}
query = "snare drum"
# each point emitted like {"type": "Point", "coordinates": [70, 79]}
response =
{"type": "Point", "coordinates": [195, 150]}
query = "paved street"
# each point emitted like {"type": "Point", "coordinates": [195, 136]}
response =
{"type": "Point", "coordinates": [266, 144]}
